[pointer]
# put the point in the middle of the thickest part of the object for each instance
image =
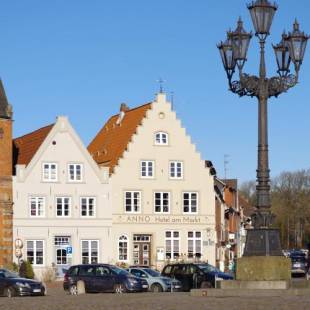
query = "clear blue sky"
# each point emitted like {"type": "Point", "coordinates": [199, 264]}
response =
{"type": "Point", "coordinates": [83, 58]}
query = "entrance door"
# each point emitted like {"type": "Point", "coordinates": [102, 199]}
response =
{"type": "Point", "coordinates": [142, 250]}
{"type": "Point", "coordinates": [62, 257]}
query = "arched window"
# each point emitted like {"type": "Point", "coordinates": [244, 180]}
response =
{"type": "Point", "coordinates": [161, 138]}
{"type": "Point", "coordinates": [123, 248]}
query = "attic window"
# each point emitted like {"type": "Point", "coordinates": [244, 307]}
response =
{"type": "Point", "coordinates": [161, 138]}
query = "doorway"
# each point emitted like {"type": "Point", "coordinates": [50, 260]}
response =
{"type": "Point", "coordinates": [142, 250]}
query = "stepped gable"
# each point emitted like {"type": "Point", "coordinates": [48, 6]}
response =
{"type": "Point", "coordinates": [26, 146]}
{"type": "Point", "coordinates": [112, 140]}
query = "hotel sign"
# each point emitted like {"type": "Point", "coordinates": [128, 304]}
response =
{"type": "Point", "coordinates": [162, 219]}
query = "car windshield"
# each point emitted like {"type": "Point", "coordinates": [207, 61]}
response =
{"type": "Point", "coordinates": [208, 268]}
{"type": "Point", "coordinates": [119, 271]}
{"type": "Point", "coordinates": [9, 274]}
{"type": "Point", "coordinates": [151, 272]}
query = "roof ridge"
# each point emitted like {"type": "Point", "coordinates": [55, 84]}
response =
{"type": "Point", "coordinates": [130, 110]}
{"type": "Point", "coordinates": [34, 131]}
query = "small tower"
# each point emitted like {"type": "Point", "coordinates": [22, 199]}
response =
{"type": "Point", "coordinates": [6, 192]}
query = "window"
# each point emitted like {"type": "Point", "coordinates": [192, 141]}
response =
{"type": "Point", "coordinates": [162, 202]}
{"type": "Point", "coordinates": [63, 206]}
{"type": "Point", "coordinates": [37, 206]}
{"type": "Point", "coordinates": [61, 243]}
{"type": "Point", "coordinates": [194, 244]}
{"type": "Point", "coordinates": [133, 202]}
{"type": "Point", "coordinates": [161, 138]}
{"type": "Point", "coordinates": [147, 169]}
{"type": "Point", "coordinates": [75, 172]}
{"type": "Point", "coordinates": [172, 244]}
{"type": "Point", "coordinates": [176, 170]}
{"type": "Point", "coordinates": [35, 252]}
{"type": "Point", "coordinates": [88, 206]}
{"type": "Point", "coordinates": [50, 172]}
{"type": "Point", "coordinates": [123, 248]}
{"type": "Point", "coordinates": [190, 202]}
{"type": "Point", "coordinates": [90, 251]}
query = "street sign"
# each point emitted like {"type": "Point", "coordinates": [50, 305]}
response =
{"type": "Point", "coordinates": [18, 252]}
{"type": "Point", "coordinates": [19, 243]}
{"type": "Point", "coordinates": [69, 250]}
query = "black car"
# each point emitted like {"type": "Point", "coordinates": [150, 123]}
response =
{"type": "Point", "coordinates": [11, 284]}
{"type": "Point", "coordinates": [99, 278]}
{"type": "Point", "coordinates": [195, 275]}
{"type": "Point", "coordinates": [299, 263]}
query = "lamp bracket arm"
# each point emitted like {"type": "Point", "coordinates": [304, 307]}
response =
{"type": "Point", "coordinates": [248, 85]}
{"type": "Point", "coordinates": [281, 84]}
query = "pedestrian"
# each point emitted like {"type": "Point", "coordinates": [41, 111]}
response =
{"type": "Point", "coordinates": [22, 269]}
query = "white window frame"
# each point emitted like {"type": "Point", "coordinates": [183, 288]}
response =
{"type": "Point", "coordinates": [195, 241]}
{"type": "Point", "coordinates": [89, 241]}
{"type": "Point", "coordinates": [132, 201]}
{"type": "Point", "coordinates": [148, 164]}
{"type": "Point", "coordinates": [74, 179]}
{"type": "Point", "coordinates": [62, 198]}
{"type": "Point", "coordinates": [37, 205]}
{"type": "Point", "coordinates": [190, 207]}
{"type": "Point", "coordinates": [173, 241]}
{"type": "Point", "coordinates": [173, 169]}
{"type": "Point", "coordinates": [88, 205]}
{"type": "Point", "coordinates": [160, 136]}
{"type": "Point", "coordinates": [161, 193]}
{"type": "Point", "coordinates": [124, 240]}
{"type": "Point", "coordinates": [35, 251]}
{"type": "Point", "coordinates": [48, 177]}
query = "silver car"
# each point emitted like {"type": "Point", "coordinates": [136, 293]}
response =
{"type": "Point", "coordinates": [156, 282]}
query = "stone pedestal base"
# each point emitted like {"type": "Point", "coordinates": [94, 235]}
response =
{"type": "Point", "coordinates": [263, 268]}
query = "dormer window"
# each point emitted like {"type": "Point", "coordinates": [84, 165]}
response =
{"type": "Point", "coordinates": [161, 138]}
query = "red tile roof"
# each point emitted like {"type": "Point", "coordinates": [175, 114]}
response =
{"type": "Point", "coordinates": [112, 140]}
{"type": "Point", "coordinates": [26, 146]}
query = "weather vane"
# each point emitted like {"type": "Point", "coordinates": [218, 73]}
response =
{"type": "Point", "coordinates": [161, 82]}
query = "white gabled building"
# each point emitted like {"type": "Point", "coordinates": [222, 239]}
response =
{"type": "Point", "coordinates": [163, 199]}
{"type": "Point", "coordinates": [61, 200]}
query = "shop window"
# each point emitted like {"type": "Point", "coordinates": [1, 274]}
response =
{"type": "Point", "coordinates": [172, 241]}
{"type": "Point", "coordinates": [123, 248]}
{"type": "Point", "coordinates": [35, 252]}
{"type": "Point", "coordinates": [194, 244]}
{"type": "Point", "coordinates": [90, 251]}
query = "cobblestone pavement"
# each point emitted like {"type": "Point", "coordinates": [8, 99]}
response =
{"type": "Point", "coordinates": [58, 299]}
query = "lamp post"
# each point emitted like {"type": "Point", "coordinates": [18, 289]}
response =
{"type": "Point", "coordinates": [262, 240]}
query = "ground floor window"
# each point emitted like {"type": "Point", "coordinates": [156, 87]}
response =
{"type": "Point", "coordinates": [61, 244]}
{"type": "Point", "coordinates": [172, 244]}
{"type": "Point", "coordinates": [123, 248]}
{"type": "Point", "coordinates": [194, 244]}
{"type": "Point", "coordinates": [90, 251]}
{"type": "Point", "coordinates": [35, 252]}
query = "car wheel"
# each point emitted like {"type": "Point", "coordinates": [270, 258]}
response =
{"type": "Point", "coordinates": [73, 289]}
{"type": "Point", "coordinates": [119, 289]}
{"type": "Point", "coordinates": [43, 291]}
{"type": "Point", "coordinates": [9, 292]}
{"type": "Point", "coordinates": [156, 288]}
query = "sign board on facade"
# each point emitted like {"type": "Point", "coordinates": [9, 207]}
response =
{"type": "Point", "coordinates": [160, 254]}
{"type": "Point", "coordinates": [69, 251]}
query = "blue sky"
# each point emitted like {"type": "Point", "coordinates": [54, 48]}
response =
{"type": "Point", "coordinates": [83, 58]}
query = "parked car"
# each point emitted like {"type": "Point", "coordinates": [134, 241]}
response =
{"type": "Point", "coordinates": [156, 282]}
{"type": "Point", "coordinates": [195, 275]}
{"type": "Point", "coordinates": [11, 284]}
{"type": "Point", "coordinates": [102, 278]}
{"type": "Point", "coordinates": [299, 263]}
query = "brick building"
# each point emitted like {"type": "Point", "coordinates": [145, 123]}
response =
{"type": "Point", "coordinates": [5, 179]}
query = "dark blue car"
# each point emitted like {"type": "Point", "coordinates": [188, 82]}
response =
{"type": "Point", "coordinates": [195, 275]}
{"type": "Point", "coordinates": [97, 278]}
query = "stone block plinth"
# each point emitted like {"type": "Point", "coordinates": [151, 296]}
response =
{"type": "Point", "coordinates": [263, 268]}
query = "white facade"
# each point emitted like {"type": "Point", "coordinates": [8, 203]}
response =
{"type": "Point", "coordinates": [61, 202]}
{"type": "Point", "coordinates": [162, 195]}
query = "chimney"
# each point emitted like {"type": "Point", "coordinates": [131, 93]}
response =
{"type": "Point", "coordinates": [123, 109]}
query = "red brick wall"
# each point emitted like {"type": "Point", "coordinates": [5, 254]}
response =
{"type": "Point", "coordinates": [6, 194]}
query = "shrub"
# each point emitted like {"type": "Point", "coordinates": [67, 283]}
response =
{"type": "Point", "coordinates": [48, 275]}
{"type": "Point", "coordinates": [29, 274]}
{"type": "Point", "coordinates": [12, 266]}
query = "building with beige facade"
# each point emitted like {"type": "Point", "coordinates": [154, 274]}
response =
{"type": "Point", "coordinates": [62, 209]}
{"type": "Point", "coordinates": [162, 193]}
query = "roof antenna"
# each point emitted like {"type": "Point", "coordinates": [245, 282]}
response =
{"type": "Point", "coordinates": [161, 82]}
{"type": "Point", "coordinates": [226, 161]}
{"type": "Point", "coordinates": [172, 99]}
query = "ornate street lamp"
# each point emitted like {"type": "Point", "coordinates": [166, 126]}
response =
{"type": "Point", "coordinates": [263, 240]}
